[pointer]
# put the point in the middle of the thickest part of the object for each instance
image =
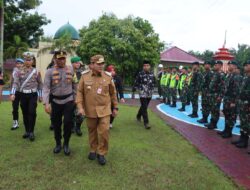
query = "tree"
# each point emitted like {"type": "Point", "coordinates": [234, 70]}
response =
{"type": "Point", "coordinates": [207, 55]}
{"type": "Point", "coordinates": [124, 43]}
{"type": "Point", "coordinates": [242, 54]}
{"type": "Point", "coordinates": [18, 20]}
{"type": "Point", "coordinates": [16, 48]}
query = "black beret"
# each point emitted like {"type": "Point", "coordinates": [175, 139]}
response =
{"type": "Point", "coordinates": [207, 63]}
{"type": "Point", "coordinates": [233, 63]}
{"type": "Point", "coordinates": [146, 62]}
{"type": "Point", "coordinates": [219, 62]}
{"type": "Point", "coordinates": [196, 63]}
{"type": "Point", "coordinates": [247, 63]}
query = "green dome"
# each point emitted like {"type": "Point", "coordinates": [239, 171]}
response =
{"type": "Point", "coordinates": [67, 28]}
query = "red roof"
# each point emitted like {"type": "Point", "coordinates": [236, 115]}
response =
{"type": "Point", "coordinates": [175, 54]}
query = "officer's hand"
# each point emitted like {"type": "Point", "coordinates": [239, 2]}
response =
{"type": "Point", "coordinates": [122, 100]}
{"type": "Point", "coordinates": [115, 112]}
{"type": "Point", "coordinates": [232, 105]}
{"type": "Point", "coordinates": [81, 112]}
{"type": "Point", "coordinates": [47, 108]}
{"type": "Point", "coordinates": [12, 97]}
{"type": "Point", "coordinates": [40, 99]}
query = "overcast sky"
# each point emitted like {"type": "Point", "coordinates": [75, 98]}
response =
{"type": "Point", "coordinates": [189, 24]}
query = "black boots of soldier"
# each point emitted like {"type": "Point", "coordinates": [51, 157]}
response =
{"type": "Point", "coordinates": [100, 158]}
{"type": "Point", "coordinates": [193, 115]}
{"type": "Point", "coordinates": [31, 136]}
{"type": "Point", "coordinates": [182, 108]}
{"type": "Point", "coordinates": [242, 142]}
{"type": "Point", "coordinates": [226, 133]}
{"type": "Point", "coordinates": [173, 105]}
{"type": "Point", "coordinates": [202, 120]}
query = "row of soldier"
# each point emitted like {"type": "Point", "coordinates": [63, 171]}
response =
{"type": "Point", "coordinates": [215, 86]}
{"type": "Point", "coordinates": [95, 98]}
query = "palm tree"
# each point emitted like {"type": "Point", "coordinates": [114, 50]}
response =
{"type": "Point", "coordinates": [16, 48]}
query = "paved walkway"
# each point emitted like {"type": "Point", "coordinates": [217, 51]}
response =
{"type": "Point", "coordinates": [231, 160]}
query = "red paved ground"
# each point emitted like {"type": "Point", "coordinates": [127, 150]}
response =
{"type": "Point", "coordinates": [231, 160]}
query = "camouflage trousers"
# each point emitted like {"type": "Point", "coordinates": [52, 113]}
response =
{"type": "Point", "coordinates": [194, 100]}
{"type": "Point", "coordinates": [245, 116]}
{"type": "Point", "coordinates": [205, 104]}
{"type": "Point", "coordinates": [229, 112]}
{"type": "Point", "coordinates": [164, 91]}
{"type": "Point", "coordinates": [173, 94]}
{"type": "Point", "coordinates": [215, 103]}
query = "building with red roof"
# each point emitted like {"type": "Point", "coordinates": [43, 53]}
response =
{"type": "Point", "coordinates": [175, 56]}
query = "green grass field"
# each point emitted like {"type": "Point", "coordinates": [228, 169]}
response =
{"type": "Point", "coordinates": [138, 159]}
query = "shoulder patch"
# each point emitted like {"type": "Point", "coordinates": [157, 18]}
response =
{"type": "Point", "coordinates": [84, 72]}
{"type": "Point", "coordinates": [108, 73]}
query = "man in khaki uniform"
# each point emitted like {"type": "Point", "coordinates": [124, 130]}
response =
{"type": "Point", "coordinates": [95, 95]}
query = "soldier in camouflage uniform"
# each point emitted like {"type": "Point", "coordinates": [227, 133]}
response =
{"type": "Point", "coordinates": [29, 83]}
{"type": "Point", "coordinates": [195, 85]}
{"type": "Point", "coordinates": [163, 84]}
{"type": "Point", "coordinates": [189, 77]}
{"type": "Point", "coordinates": [77, 119]}
{"type": "Point", "coordinates": [167, 82]}
{"type": "Point", "coordinates": [216, 93]}
{"type": "Point", "coordinates": [244, 98]}
{"type": "Point", "coordinates": [232, 88]}
{"type": "Point", "coordinates": [206, 79]}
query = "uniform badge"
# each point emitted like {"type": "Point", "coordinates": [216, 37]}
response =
{"type": "Point", "coordinates": [99, 90]}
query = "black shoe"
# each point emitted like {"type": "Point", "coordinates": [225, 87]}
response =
{"type": "Point", "coordinates": [146, 125]}
{"type": "Point", "coordinates": [51, 127]}
{"type": "Point", "coordinates": [211, 126]}
{"type": "Point", "coordinates": [168, 103]}
{"type": "Point", "coordinates": [221, 132]}
{"type": "Point", "coordinates": [193, 115]}
{"type": "Point", "coordinates": [244, 142]}
{"type": "Point", "coordinates": [92, 156]}
{"type": "Point", "coordinates": [101, 159]}
{"type": "Point", "coordinates": [138, 119]}
{"type": "Point", "coordinates": [173, 105]}
{"type": "Point", "coordinates": [26, 135]}
{"type": "Point", "coordinates": [66, 150]}
{"type": "Point", "coordinates": [181, 109]}
{"type": "Point", "coordinates": [32, 137]}
{"type": "Point", "coordinates": [78, 132]}
{"type": "Point", "coordinates": [226, 135]}
{"type": "Point", "coordinates": [57, 149]}
{"type": "Point", "coordinates": [202, 120]}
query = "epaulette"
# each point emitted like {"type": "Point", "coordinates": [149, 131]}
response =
{"type": "Point", "coordinates": [108, 73]}
{"type": "Point", "coordinates": [84, 72]}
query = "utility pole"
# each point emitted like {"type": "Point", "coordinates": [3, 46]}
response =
{"type": "Point", "coordinates": [1, 32]}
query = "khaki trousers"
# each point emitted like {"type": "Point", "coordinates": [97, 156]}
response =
{"type": "Point", "coordinates": [98, 129]}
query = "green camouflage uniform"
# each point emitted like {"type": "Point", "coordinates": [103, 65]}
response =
{"type": "Point", "coordinates": [216, 93]}
{"type": "Point", "coordinates": [195, 86]}
{"type": "Point", "coordinates": [206, 79]}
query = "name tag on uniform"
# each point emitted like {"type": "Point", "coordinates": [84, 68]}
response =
{"type": "Point", "coordinates": [99, 90]}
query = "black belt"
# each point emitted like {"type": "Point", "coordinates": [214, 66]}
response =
{"type": "Point", "coordinates": [60, 97]}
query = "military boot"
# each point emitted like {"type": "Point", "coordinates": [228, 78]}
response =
{"type": "Point", "coordinates": [228, 133]}
{"type": "Point", "coordinates": [202, 120]}
{"type": "Point", "coordinates": [240, 138]}
{"type": "Point", "coordinates": [244, 142]}
{"type": "Point", "coordinates": [193, 115]}
{"type": "Point", "coordinates": [182, 108]}
{"type": "Point", "coordinates": [173, 105]}
{"type": "Point", "coordinates": [224, 131]}
{"type": "Point", "coordinates": [210, 125]}
{"type": "Point", "coordinates": [168, 102]}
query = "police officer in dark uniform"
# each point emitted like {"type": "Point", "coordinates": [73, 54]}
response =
{"type": "Point", "coordinates": [28, 81]}
{"type": "Point", "coordinates": [58, 84]}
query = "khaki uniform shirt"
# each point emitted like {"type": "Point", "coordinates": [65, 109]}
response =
{"type": "Point", "coordinates": [96, 94]}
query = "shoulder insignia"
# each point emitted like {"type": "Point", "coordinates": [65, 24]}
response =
{"type": "Point", "coordinates": [108, 73]}
{"type": "Point", "coordinates": [84, 72]}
